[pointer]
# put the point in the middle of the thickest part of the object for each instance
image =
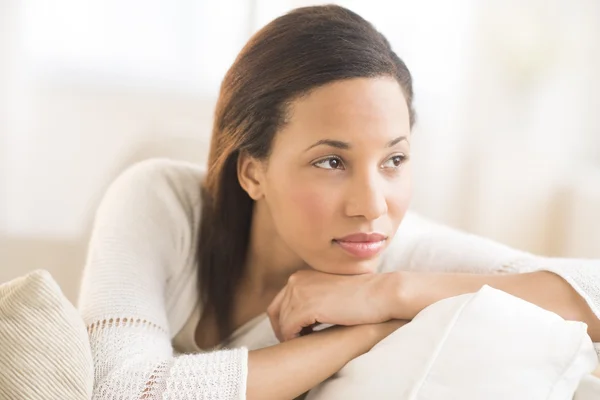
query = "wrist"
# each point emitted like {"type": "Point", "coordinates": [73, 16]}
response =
{"type": "Point", "coordinates": [368, 335]}
{"type": "Point", "coordinates": [414, 291]}
{"type": "Point", "coordinates": [418, 290]}
{"type": "Point", "coordinates": [360, 338]}
{"type": "Point", "coordinates": [394, 295]}
{"type": "Point", "coordinates": [405, 295]}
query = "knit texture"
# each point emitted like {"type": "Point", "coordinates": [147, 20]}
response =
{"type": "Point", "coordinates": [44, 348]}
{"type": "Point", "coordinates": [140, 283]}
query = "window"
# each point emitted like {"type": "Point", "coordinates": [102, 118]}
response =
{"type": "Point", "coordinates": [166, 44]}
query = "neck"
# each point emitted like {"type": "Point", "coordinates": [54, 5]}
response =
{"type": "Point", "coordinates": [270, 261]}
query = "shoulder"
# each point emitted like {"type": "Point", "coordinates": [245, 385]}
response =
{"type": "Point", "coordinates": [152, 188]}
{"type": "Point", "coordinates": [417, 240]}
{"type": "Point", "coordinates": [161, 176]}
{"type": "Point", "coordinates": [158, 200]}
{"type": "Point", "coordinates": [404, 241]}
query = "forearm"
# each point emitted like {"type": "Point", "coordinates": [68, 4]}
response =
{"type": "Point", "coordinates": [542, 288]}
{"type": "Point", "coordinates": [287, 370]}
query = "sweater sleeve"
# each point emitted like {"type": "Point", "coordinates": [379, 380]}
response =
{"type": "Point", "coordinates": [423, 245]}
{"type": "Point", "coordinates": [140, 232]}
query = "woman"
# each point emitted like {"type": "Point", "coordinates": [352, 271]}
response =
{"type": "Point", "coordinates": [307, 184]}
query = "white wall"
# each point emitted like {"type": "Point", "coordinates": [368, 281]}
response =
{"type": "Point", "coordinates": [76, 141]}
{"type": "Point", "coordinates": [7, 10]}
{"type": "Point", "coordinates": [530, 116]}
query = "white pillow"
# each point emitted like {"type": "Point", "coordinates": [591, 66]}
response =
{"type": "Point", "coordinates": [588, 389]}
{"type": "Point", "coordinates": [44, 347]}
{"type": "Point", "coordinates": [488, 345]}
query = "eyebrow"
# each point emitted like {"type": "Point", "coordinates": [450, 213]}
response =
{"type": "Point", "coordinates": [338, 144]}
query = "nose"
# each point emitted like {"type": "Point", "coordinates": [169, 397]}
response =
{"type": "Point", "coordinates": [366, 197]}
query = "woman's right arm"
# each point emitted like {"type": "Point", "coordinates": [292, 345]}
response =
{"type": "Point", "coordinates": [287, 370]}
{"type": "Point", "coordinates": [140, 231]}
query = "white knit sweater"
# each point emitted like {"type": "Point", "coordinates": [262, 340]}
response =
{"type": "Point", "coordinates": [139, 284]}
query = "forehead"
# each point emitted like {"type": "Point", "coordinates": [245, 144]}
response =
{"type": "Point", "coordinates": [363, 106]}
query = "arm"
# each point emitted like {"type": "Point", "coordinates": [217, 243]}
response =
{"type": "Point", "coordinates": [141, 229]}
{"type": "Point", "coordinates": [440, 262]}
{"type": "Point", "coordinates": [299, 365]}
{"type": "Point", "coordinates": [545, 289]}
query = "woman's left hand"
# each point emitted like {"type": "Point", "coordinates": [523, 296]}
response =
{"type": "Point", "coordinates": [312, 297]}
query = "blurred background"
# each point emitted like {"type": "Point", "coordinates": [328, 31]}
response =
{"type": "Point", "coordinates": [507, 143]}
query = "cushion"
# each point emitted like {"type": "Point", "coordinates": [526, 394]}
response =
{"type": "Point", "coordinates": [44, 347]}
{"type": "Point", "coordinates": [588, 389]}
{"type": "Point", "coordinates": [487, 345]}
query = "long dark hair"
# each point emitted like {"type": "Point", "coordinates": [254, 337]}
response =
{"type": "Point", "coordinates": [297, 52]}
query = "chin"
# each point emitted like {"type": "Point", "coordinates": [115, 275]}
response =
{"type": "Point", "coordinates": [352, 268]}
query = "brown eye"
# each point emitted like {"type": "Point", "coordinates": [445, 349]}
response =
{"type": "Point", "coordinates": [394, 161]}
{"type": "Point", "coordinates": [329, 163]}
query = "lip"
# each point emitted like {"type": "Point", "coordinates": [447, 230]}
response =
{"type": "Point", "coordinates": [362, 245]}
{"type": "Point", "coordinates": [362, 238]}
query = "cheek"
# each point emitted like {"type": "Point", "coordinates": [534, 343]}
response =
{"type": "Point", "coordinates": [399, 199]}
{"type": "Point", "coordinates": [312, 211]}
{"type": "Point", "coordinates": [304, 215]}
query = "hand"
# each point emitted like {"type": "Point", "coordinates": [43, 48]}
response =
{"type": "Point", "coordinates": [311, 297]}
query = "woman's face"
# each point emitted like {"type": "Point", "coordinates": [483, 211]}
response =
{"type": "Point", "coordinates": [338, 181]}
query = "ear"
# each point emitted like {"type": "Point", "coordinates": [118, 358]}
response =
{"type": "Point", "coordinates": [250, 175]}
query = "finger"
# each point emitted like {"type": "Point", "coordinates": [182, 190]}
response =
{"type": "Point", "coordinates": [294, 318]}
{"type": "Point", "coordinates": [296, 313]}
{"type": "Point", "coordinates": [307, 330]}
{"type": "Point", "coordinates": [296, 325]}
{"type": "Point", "coordinates": [274, 312]}
{"type": "Point", "coordinates": [285, 309]}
